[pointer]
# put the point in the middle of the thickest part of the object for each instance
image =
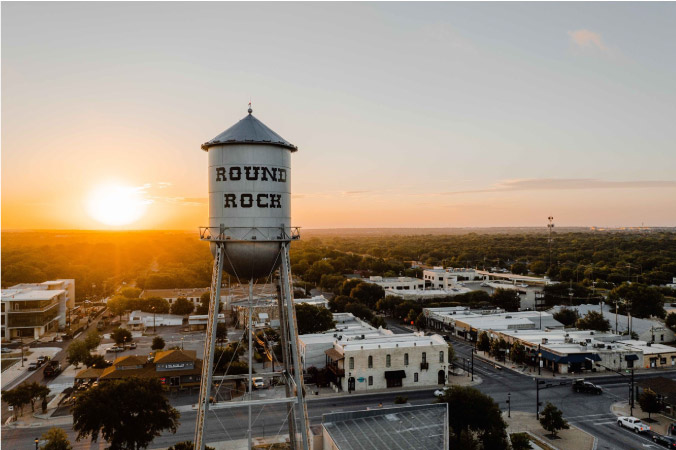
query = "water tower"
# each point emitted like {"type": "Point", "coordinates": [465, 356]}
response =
{"type": "Point", "coordinates": [249, 234]}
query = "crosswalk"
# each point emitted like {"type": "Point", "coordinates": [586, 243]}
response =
{"type": "Point", "coordinates": [593, 419]}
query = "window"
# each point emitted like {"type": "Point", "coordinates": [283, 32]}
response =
{"type": "Point", "coordinates": [663, 360]}
{"type": "Point", "coordinates": [388, 361]}
{"type": "Point", "coordinates": [406, 359]}
{"type": "Point", "coordinates": [424, 357]}
{"type": "Point", "coordinates": [661, 337]}
{"type": "Point", "coordinates": [370, 381]}
{"type": "Point", "coordinates": [441, 357]}
{"type": "Point", "coordinates": [351, 362]}
{"type": "Point", "coordinates": [370, 362]}
{"type": "Point", "coordinates": [415, 377]}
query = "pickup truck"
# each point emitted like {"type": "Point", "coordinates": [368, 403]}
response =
{"type": "Point", "coordinates": [53, 369]}
{"type": "Point", "coordinates": [586, 387]}
{"type": "Point", "coordinates": [633, 423]}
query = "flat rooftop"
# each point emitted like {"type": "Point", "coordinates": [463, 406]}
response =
{"type": "Point", "coordinates": [423, 427]}
{"type": "Point", "coordinates": [30, 294]}
{"type": "Point", "coordinates": [392, 341]}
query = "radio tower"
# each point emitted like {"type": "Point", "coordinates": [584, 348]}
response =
{"type": "Point", "coordinates": [550, 227]}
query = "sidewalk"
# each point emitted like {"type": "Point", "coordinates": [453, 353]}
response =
{"type": "Point", "coordinates": [661, 422]}
{"type": "Point", "coordinates": [571, 439]}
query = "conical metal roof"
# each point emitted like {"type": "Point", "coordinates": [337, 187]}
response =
{"type": "Point", "coordinates": [249, 130]}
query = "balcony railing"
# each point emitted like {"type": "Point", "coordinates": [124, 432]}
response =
{"type": "Point", "coordinates": [424, 366]}
{"type": "Point", "coordinates": [282, 234]}
{"type": "Point", "coordinates": [336, 370]}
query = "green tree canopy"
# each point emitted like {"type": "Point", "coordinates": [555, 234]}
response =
{"type": "Point", "coordinates": [473, 413]}
{"type": "Point", "coordinates": [507, 299]}
{"type": "Point", "coordinates": [567, 316]}
{"type": "Point", "coordinates": [121, 336]}
{"type": "Point", "coordinates": [641, 300]}
{"type": "Point", "coordinates": [160, 305]}
{"type": "Point", "coordinates": [55, 439]}
{"type": "Point", "coordinates": [670, 321]}
{"type": "Point", "coordinates": [551, 419]}
{"type": "Point", "coordinates": [368, 293]}
{"type": "Point", "coordinates": [182, 307]}
{"type": "Point", "coordinates": [130, 292]}
{"type": "Point", "coordinates": [17, 398]}
{"type": "Point", "coordinates": [593, 320]}
{"type": "Point", "coordinates": [92, 340]}
{"type": "Point", "coordinates": [128, 413]}
{"type": "Point", "coordinates": [187, 445]}
{"type": "Point", "coordinates": [649, 402]}
{"type": "Point", "coordinates": [158, 343]}
{"type": "Point", "coordinates": [97, 361]}
{"type": "Point", "coordinates": [313, 319]}
{"type": "Point", "coordinates": [78, 352]}
{"type": "Point", "coordinates": [484, 342]}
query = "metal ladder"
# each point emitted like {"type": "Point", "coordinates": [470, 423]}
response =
{"type": "Point", "coordinates": [209, 347]}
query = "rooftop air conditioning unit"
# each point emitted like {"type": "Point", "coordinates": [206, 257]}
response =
{"type": "Point", "coordinates": [609, 347]}
{"type": "Point", "coordinates": [649, 344]}
{"type": "Point", "coordinates": [588, 340]}
{"type": "Point", "coordinates": [508, 317]}
{"type": "Point", "coordinates": [545, 340]}
{"type": "Point", "coordinates": [591, 333]}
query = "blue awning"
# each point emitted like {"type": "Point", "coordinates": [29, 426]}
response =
{"type": "Point", "coordinates": [571, 358]}
{"type": "Point", "coordinates": [630, 358]}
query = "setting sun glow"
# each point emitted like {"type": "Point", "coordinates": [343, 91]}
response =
{"type": "Point", "coordinates": [116, 205]}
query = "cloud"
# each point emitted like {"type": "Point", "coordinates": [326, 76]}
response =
{"type": "Point", "coordinates": [550, 184]}
{"type": "Point", "coordinates": [587, 39]}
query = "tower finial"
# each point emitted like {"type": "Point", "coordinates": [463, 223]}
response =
{"type": "Point", "coordinates": [250, 110]}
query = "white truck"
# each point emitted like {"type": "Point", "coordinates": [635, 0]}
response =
{"type": "Point", "coordinates": [633, 424]}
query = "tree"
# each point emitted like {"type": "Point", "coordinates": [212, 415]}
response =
{"type": "Point", "coordinates": [518, 353]}
{"type": "Point", "coordinates": [158, 343]}
{"type": "Point", "coordinates": [484, 343]}
{"type": "Point", "coordinates": [182, 307]}
{"type": "Point", "coordinates": [538, 267]}
{"type": "Point", "coordinates": [187, 445]}
{"type": "Point", "coordinates": [127, 413]}
{"type": "Point", "coordinates": [593, 320]}
{"type": "Point", "coordinates": [520, 441]}
{"type": "Point", "coordinates": [221, 332]}
{"type": "Point", "coordinates": [519, 268]}
{"type": "Point", "coordinates": [567, 316]}
{"type": "Point", "coordinates": [121, 336]}
{"type": "Point", "coordinates": [77, 353]}
{"type": "Point", "coordinates": [157, 305]}
{"type": "Point", "coordinates": [649, 402]}
{"type": "Point", "coordinates": [118, 305]}
{"type": "Point", "coordinates": [17, 398]}
{"type": "Point", "coordinates": [203, 308]}
{"type": "Point", "coordinates": [507, 299]}
{"type": "Point", "coordinates": [348, 285]}
{"type": "Point", "coordinates": [92, 340]}
{"type": "Point", "coordinates": [56, 439]}
{"type": "Point", "coordinates": [35, 391]}
{"type": "Point", "coordinates": [642, 301]}
{"type": "Point", "coordinates": [420, 322]}
{"type": "Point", "coordinates": [451, 353]}
{"type": "Point", "coordinates": [97, 361]}
{"type": "Point", "coordinates": [130, 292]}
{"type": "Point", "coordinates": [313, 319]}
{"type": "Point", "coordinates": [551, 419]}
{"type": "Point", "coordinates": [670, 321]}
{"type": "Point", "coordinates": [474, 412]}
{"type": "Point", "coordinates": [368, 293]}
{"type": "Point", "coordinates": [359, 310]}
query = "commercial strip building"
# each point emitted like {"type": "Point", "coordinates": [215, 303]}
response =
{"type": "Point", "coordinates": [33, 309]}
{"type": "Point", "coordinates": [171, 295]}
{"type": "Point", "coordinates": [447, 278]}
{"type": "Point", "coordinates": [410, 427]}
{"type": "Point", "coordinates": [176, 369]}
{"type": "Point", "coordinates": [396, 283]}
{"type": "Point", "coordinates": [651, 330]}
{"type": "Point", "coordinates": [419, 295]}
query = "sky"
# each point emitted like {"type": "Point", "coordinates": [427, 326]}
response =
{"type": "Point", "coordinates": [405, 114]}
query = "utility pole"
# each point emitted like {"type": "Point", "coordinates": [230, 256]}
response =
{"type": "Point", "coordinates": [631, 405]}
{"type": "Point", "coordinates": [509, 405]}
{"type": "Point", "coordinates": [539, 361]}
{"type": "Point", "coordinates": [550, 226]}
{"type": "Point", "coordinates": [537, 398]}
{"type": "Point", "coordinates": [472, 351]}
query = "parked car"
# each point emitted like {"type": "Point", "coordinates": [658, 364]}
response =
{"type": "Point", "coordinates": [6, 350]}
{"type": "Point", "coordinates": [53, 369]}
{"type": "Point", "coordinates": [665, 441]}
{"type": "Point", "coordinates": [586, 387]}
{"type": "Point", "coordinates": [633, 424]}
{"type": "Point", "coordinates": [43, 359]}
{"type": "Point", "coordinates": [114, 349]}
{"type": "Point", "coordinates": [132, 345]}
{"type": "Point", "coordinates": [33, 366]}
{"type": "Point", "coordinates": [440, 392]}
{"type": "Point", "coordinates": [258, 382]}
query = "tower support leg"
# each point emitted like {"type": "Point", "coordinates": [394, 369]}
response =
{"type": "Point", "coordinates": [208, 361]}
{"type": "Point", "coordinates": [301, 411]}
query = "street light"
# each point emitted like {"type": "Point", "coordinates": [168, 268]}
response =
{"type": "Point", "coordinates": [36, 443]}
{"type": "Point", "coordinates": [509, 405]}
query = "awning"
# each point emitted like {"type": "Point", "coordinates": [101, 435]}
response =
{"type": "Point", "coordinates": [570, 358]}
{"type": "Point", "coordinates": [395, 374]}
{"type": "Point", "coordinates": [334, 354]}
{"type": "Point", "coordinates": [630, 358]}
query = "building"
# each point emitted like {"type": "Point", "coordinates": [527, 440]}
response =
{"type": "Point", "coordinates": [265, 312]}
{"type": "Point", "coordinates": [312, 347]}
{"type": "Point", "coordinates": [411, 427]}
{"type": "Point", "coordinates": [651, 330]}
{"type": "Point", "coordinates": [176, 369]}
{"type": "Point", "coordinates": [140, 321]}
{"type": "Point", "coordinates": [33, 309]}
{"type": "Point", "coordinates": [440, 278]}
{"type": "Point", "coordinates": [317, 300]}
{"type": "Point", "coordinates": [171, 295]}
{"type": "Point", "coordinates": [421, 295]}
{"type": "Point", "coordinates": [396, 283]}
{"type": "Point", "coordinates": [380, 362]}
{"type": "Point", "coordinates": [199, 322]}
{"type": "Point", "coordinates": [654, 355]}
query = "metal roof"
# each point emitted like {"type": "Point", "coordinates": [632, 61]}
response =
{"type": "Point", "coordinates": [249, 130]}
{"type": "Point", "coordinates": [421, 427]}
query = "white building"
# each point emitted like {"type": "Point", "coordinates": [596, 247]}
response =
{"type": "Point", "coordinates": [139, 320]}
{"type": "Point", "coordinates": [396, 283]}
{"type": "Point", "coordinates": [380, 362]}
{"type": "Point", "coordinates": [193, 295]}
{"type": "Point", "coordinates": [317, 300]}
{"type": "Point", "coordinates": [32, 309]}
{"type": "Point", "coordinates": [428, 294]}
{"type": "Point", "coordinates": [440, 278]}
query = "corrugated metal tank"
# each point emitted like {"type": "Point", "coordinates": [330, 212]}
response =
{"type": "Point", "coordinates": [250, 195]}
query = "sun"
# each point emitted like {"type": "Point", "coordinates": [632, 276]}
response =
{"type": "Point", "coordinates": [116, 204]}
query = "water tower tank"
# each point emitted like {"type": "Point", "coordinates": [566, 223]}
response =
{"type": "Point", "coordinates": [250, 196]}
